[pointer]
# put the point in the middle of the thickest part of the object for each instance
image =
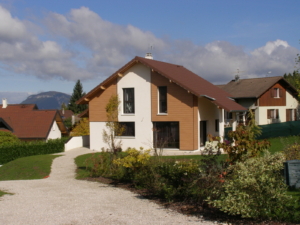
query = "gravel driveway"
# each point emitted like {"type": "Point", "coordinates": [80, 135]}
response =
{"type": "Point", "coordinates": [60, 199]}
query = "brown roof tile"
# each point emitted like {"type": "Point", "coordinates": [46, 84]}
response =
{"type": "Point", "coordinates": [182, 77]}
{"type": "Point", "coordinates": [254, 87]}
{"type": "Point", "coordinates": [27, 122]}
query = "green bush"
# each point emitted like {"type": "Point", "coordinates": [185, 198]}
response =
{"type": "Point", "coordinates": [102, 165]}
{"type": "Point", "coordinates": [12, 151]}
{"type": "Point", "coordinates": [255, 189]}
{"type": "Point", "coordinates": [292, 152]}
{"type": "Point", "coordinates": [187, 180]}
{"type": "Point", "coordinates": [7, 138]}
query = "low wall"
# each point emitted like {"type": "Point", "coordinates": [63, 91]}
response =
{"type": "Point", "coordinates": [77, 142]}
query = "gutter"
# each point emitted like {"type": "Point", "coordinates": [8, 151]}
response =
{"type": "Point", "coordinates": [210, 98]}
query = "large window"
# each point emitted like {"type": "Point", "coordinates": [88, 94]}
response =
{"type": "Point", "coordinates": [129, 128]}
{"type": "Point", "coordinates": [162, 95]}
{"type": "Point", "coordinates": [166, 134]}
{"type": "Point", "coordinates": [128, 100]}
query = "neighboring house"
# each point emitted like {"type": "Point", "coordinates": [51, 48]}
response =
{"type": "Point", "coordinates": [28, 123]}
{"type": "Point", "coordinates": [272, 99]}
{"type": "Point", "coordinates": [156, 96]}
{"type": "Point", "coordinates": [66, 114]}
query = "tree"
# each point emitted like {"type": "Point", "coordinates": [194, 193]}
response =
{"type": "Point", "coordinates": [113, 127]}
{"type": "Point", "coordinates": [82, 128]}
{"type": "Point", "coordinates": [242, 143]}
{"type": "Point", "coordinates": [8, 138]}
{"type": "Point", "coordinates": [77, 94]}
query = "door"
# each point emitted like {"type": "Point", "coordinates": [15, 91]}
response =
{"type": "Point", "coordinates": [203, 132]}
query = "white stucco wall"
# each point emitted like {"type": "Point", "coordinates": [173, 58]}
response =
{"type": "Point", "coordinates": [77, 142]}
{"type": "Point", "coordinates": [54, 132]}
{"type": "Point", "coordinates": [139, 78]}
{"type": "Point", "coordinates": [96, 140]}
{"type": "Point", "coordinates": [208, 112]}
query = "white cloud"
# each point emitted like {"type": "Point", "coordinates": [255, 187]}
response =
{"type": "Point", "coordinates": [22, 52]}
{"type": "Point", "coordinates": [82, 45]}
{"type": "Point", "coordinates": [270, 47]}
{"type": "Point", "coordinates": [11, 29]}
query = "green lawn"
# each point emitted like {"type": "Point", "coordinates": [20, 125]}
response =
{"type": "Point", "coordinates": [27, 168]}
{"type": "Point", "coordinates": [81, 162]}
{"type": "Point", "coordinates": [278, 144]}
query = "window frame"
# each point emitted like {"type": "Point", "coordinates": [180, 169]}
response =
{"type": "Point", "coordinates": [273, 114]}
{"type": "Point", "coordinates": [276, 93]}
{"type": "Point", "coordinates": [162, 99]}
{"type": "Point", "coordinates": [217, 125]}
{"type": "Point", "coordinates": [127, 132]}
{"type": "Point", "coordinates": [128, 99]}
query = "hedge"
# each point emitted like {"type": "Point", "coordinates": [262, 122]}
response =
{"type": "Point", "coordinates": [10, 152]}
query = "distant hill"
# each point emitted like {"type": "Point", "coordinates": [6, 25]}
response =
{"type": "Point", "coordinates": [48, 100]}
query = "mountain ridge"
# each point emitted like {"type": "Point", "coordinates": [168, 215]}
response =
{"type": "Point", "coordinates": [48, 100]}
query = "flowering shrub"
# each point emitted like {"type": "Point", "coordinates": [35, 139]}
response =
{"type": "Point", "coordinates": [255, 189]}
{"type": "Point", "coordinates": [134, 159]}
{"type": "Point", "coordinates": [292, 152]}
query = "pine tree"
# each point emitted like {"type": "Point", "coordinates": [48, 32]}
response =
{"type": "Point", "coordinates": [77, 94]}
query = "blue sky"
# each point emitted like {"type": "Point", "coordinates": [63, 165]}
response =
{"type": "Point", "coordinates": [48, 45]}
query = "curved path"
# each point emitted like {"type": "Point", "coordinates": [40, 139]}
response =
{"type": "Point", "coordinates": [63, 200]}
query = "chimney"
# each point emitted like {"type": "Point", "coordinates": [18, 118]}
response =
{"type": "Point", "coordinates": [237, 78]}
{"type": "Point", "coordinates": [148, 55]}
{"type": "Point", "coordinates": [4, 103]}
{"type": "Point", "coordinates": [73, 120]}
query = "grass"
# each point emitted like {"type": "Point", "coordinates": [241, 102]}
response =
{"type": "Point", "coordinates": [4, 193]}
{"type": "Point", "coordinates": [279, 143]}
{"type": "Point", "coordinates": [82, 164]}
{"type": "Point", "coordinates": [27, 168]}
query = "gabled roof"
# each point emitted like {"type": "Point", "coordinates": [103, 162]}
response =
{"type": "Point", "coordinates": [176, 74]}
{"type": "Point", "coordinates": [254, 87]}
{"type": "Point", "coordinates": [5, 125]}
{"type": "Point", "coordinates": [65, 114]}
{"type": "Point", "coordinates": [28, 122]}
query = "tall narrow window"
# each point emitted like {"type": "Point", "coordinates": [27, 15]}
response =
{"type": "Point", "coordinates": [128, 100]}
{"type": "Point", "coordinates": [162, 93]}
{"type": "Point", "coordinates": [217, 125]}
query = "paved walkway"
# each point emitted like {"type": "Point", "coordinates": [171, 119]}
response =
{"type": "Point", "coordinates": [63, 200]}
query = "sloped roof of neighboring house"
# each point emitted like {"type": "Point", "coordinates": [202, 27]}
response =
{"type": "Point", "coordinates": [176, 74]}
{"type": "Point", "coordinates": [65, 114]}
{"type": "Point", "coordinates": [254, 87]}
{"type": "Point", "coordinates": [27, 122]}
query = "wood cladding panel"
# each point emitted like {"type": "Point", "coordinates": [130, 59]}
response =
{"type": "Point", "coordinates": [181, 106]}
{"type": "Point", "coordinates": [267, 100]}
{"type": "Point", "coordinates": [97, 112]}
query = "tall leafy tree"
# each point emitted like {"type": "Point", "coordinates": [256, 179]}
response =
{"type": "Point", "coordinates": [77, 94]}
